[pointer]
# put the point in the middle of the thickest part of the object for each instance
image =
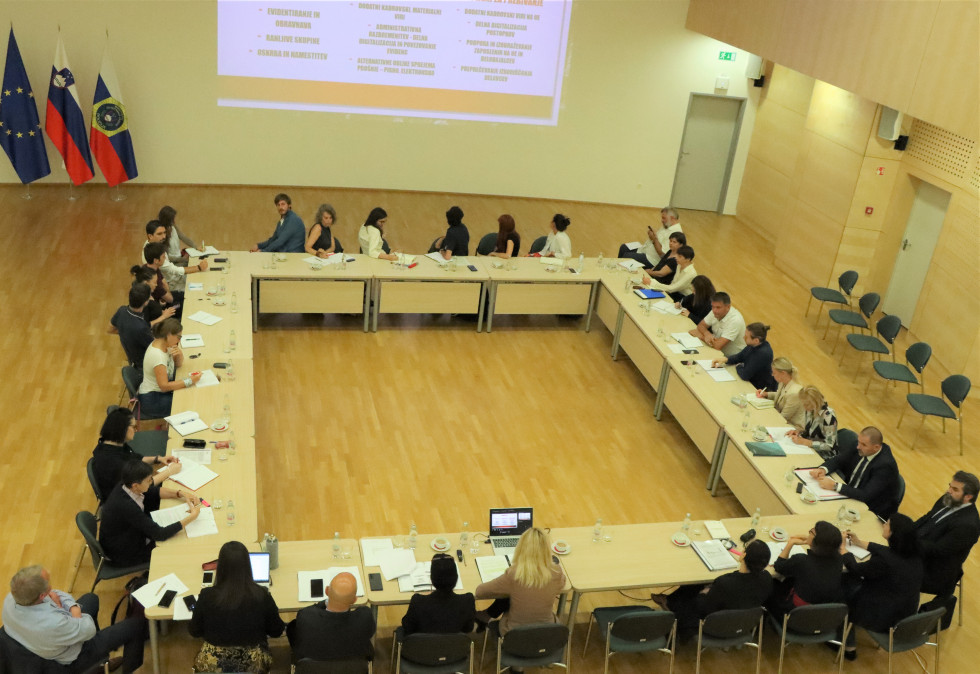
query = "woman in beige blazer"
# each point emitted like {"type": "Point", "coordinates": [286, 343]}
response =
{"type": "Point", "coordinates": [786, 397]}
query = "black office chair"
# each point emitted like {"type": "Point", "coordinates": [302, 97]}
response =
{"type": "Point", "coordinates": [911, 633]}
{"type": "Point", "coordinates": [346, 666]}
{"type": "Point", "coordinates": [917, 356]}
{"type": "Point", "coordinates": [887, 328]}
{"type": "Point", "coordinates": [487, 243]}
{"type": "Point", "coordinates": [432, 653]}
{"type": "Point", "coordinates": [812, 624]}
{"type": "Point", "coordinates": [537, 245]}
{"type": "Point", "coordinates": [847, 440]}
{"type": "Point", "coordinates": [854, 319]}
{"type": "Point", "coordinates": [146, 443]}
{"type": "Point", "coordinates": [727, 629]}
{"type": "Point", "coordinates": [104, 569]}
{"type": "Point", "coordinates": [845, 282]}
{"type": "Point", "coordinates": [634, 629]}
{"type": "Point", "coordinates": [900, 492]}
{"type": "Point", "coordinates": [16, 659]}
{"type": "Point", "coordinates": [955, 388]}
{"type": "Point", "coordinates": [337, 247]}
{"type": "Point", "coordinates": [434, 246]}
{"type": "Point", "coordinates": [538, 645]}
{"type": "Point", "coordinates": [132, 378]}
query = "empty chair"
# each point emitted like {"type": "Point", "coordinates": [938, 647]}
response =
{"type": "Point", "coordinates": [99, 496]}
{"type": "Point", "coordinates": [423, 653]}
{"type": "Point", "coordinates": [854, 319]}
{"type": "Point", "coordinates": [487, 243]}
{"type": "Point", "coordinates": [345, 666]}
{"type": "Point", "coordinates": [917, 356]}
{"type": "Point", "coordinates": [734, 627]}
{"type": "Point", "coordinates": [887, 328]}
{"type": "Point", "coordinates": [530, 645]}
{"type": "Point", "coordinates": [911, 633]}
{"type": "Point", "coordinates": [812, 624]}
{"type": "Point", "coordinates": [104, 569]}
{"type": "Point", "coordinates": [955, 388]}
{"type": "Point", "coordinates": [845, 282]}
{"type": "Point", "coordinates": [538, 245]}
{"type": "Point", "coordinates": [634, 629]}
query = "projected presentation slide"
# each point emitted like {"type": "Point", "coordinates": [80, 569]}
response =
{"type": "Point", "coordinates": [486, 60]}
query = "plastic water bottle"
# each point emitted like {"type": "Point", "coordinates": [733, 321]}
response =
{"type": "Point", "coordinates": [413, 536]}
{"type": "Point", "coordinates": [464, 535]}
{"type": "Point", "coordinates": [227, 407]}
{"type": "Point", "coordinates": [230, 371]}
{"type": "Point", "coordinates": [336, 545]}
{"type": "Point", "coordinates": [581, 263]}
{"type": "Point", "coordinates": [756, 517]}
{"type": "Point", "coordinates": [221, 288]}
{"type": "Point", "coordinates": [597, 531]}
{"type": "Point", "coordinates": [232, 342]}
{"type": "Point", "coordinates": [686, 526]}
{"type": "Point", "coordinates": [234, 302]}
{"type": "Point", "coordinates": [232, 445]}
{"type": "Point", "coordinates": [230, 513]}
{"type": "Point", "coordinates": [598, 262]}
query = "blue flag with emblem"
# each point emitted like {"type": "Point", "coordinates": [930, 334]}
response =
{"type": "Point", "coordinates": [20, 129]}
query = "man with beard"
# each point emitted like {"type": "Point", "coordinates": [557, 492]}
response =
{"type": "Point", "coordinates": [947, 533]}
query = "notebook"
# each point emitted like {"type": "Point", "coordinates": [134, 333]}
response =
{"type": "Point", "coordinates": [506, 526]}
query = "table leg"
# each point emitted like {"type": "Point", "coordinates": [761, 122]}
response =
{"type": "Point", "coordinates": [592, 298]}
{"type": "Point", "coordinates": [658, 408]}
{"type": "Point", "coordinates": [717, 462]}
{"type": "Point", "coordinates": [377, 303]}
{"type": "Point", "coordinates": [572, 610]}
{"type": "Point", "coordinates": [492, 294]}
{"type": "Point", "coordinates": [479, 315]}
{"type": "Point", "coordinates": [154, 646]}
{"type": "Point", "coordinates": [617, 332]}
{"type": "Point", "coordinates": [368, 289]}
{"type": "Point", "coordinates": [255, 305]}
{"type": "Point", "coordinates": [561, 602]}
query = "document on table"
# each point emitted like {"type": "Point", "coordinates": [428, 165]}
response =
{"type": "Point", "coordinates": [195, 286]}
{"type": "Point", "coordinates": [760, 403]}
{"type": "Point", "coordinates": [634, 245]}
{"type": "Point", "coordinates": [714, 555]}
{"type": "Point", "coordinates": [396, 562]}
{"type": "Point", "coordinates": [193, 475]}
{"type": "Point", "coordinates": [716, 529]}
{"type": "Point", "coordinates": [150, 594]}
{"type": "Point", "coordinates": [372, 549]}
{"type": "Point", "coordinates": [686, 340]}
{"type": "Point", "coordinates": [420, 579]}
{"type": "Point", "coordinates": [631, 265]}
{"type": "Point", "coordinates": [779, 435]}
{"type": "Point", "coordinates": [676, 348]}
{"type": "Point", "coordinates": [181, 612]}
{"type": "Point", "coordinates": [191, 341]}
{"type": "Point", "coordinates": [186, 422]}
{"type": "Point", "coordinates": [208, 378]}
{"type": "Point", "coordinates": [716, 373]}
{"type": "Point", "coordinates": [204, 525]}
{"type": "Point", "coordinates": [776, 549]}
{"type": "Point", "coordinates": [208, 250]}
{"type": "Point", "coordinates": [860, 553]}
{"type": "Point", "coordinates": [491, 567]}
{"type": "Point", "coordinates": [436, 257]}
{"type": "Point", "coordinates": [202, 456]}
{"type": "Point", "coordinates": [204, 317]}
{"type": "Point", "coordinates": [551, 260]}
{"type": "Point", "coordinates": [811, 483]}
{"type": "Point", "coordinates": [665, 307]}
{"type": "Point", "coordinates": [326, 575]}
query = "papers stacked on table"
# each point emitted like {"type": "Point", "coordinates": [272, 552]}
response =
{"type": "Point", "coordinates": [811, 483]}
{"type": "Point", "coordinates": [631, 265]}
{"type": "Point", "coordinates": [186, 423]}
{"type": "Point", "coordinates": [492, 567]}
{"type": "Point", "coordinates": [396, 562]}
{"type": "Point", "coordinates": [193, 475]}
{"type": "Point", "coordinates": [326, 575]}
{"type": "Point", "coordinates": [373, 548]}
{"type": "Point", "coordinates": [150, 594]}
{"type": "Point", "coordinates": [776, 549]}
{"type": "Point", "coordinates": [208, 250]}
{"type": "Point", "coordinates": [191, 341]}
{"type": "Point", "coordinates": [716, 529]}
{"type": "Point", "coordinates": [666, 307]}
{"type": "Point", "coordinates": [420, 579]}
{"type": "Point", "coordinates": [204, 317]}
{"type": "Point", "coordinates": [760, 403]}
{"type": "Point", "coordinates": [551, 260]}
{"type": "Point", "coordinates": [717, 373]}
{"type": "Point", "coordinates": [204, 525]}
{"type": "Point", "coordinates": [714, 555]}
{"type": "Point", "coordinates": [199, 455]}
{"type": "Point", "coordinates": [779, 435]}
{"type": "Point", "coordinates": [208, 378]}
{"type": "Point", "coordinates": [686, 340]}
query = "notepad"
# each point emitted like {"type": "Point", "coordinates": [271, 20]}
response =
{"type": "Point", "coordinates": [686, 340]}
{"type": "Point", "coordinates": [204, 525]}
{"type": "Point", "coordinates": [779, 434]}
{"type": "Point", "coordinates": [208, 250]}
{"type": "Point", "coordinates": [716, 373]}
{"type": "Point", "coordinates": [760, 403]}
{"type": "Point", "coordinates": [186, 423]}
{"type": "Point", "coordinates": [776, 549]}
{"type": "Point", "coordinates": [492, 567]}
{"type": "Point", "coordinates": [714, 555]}
{"type": "Point", "coordinates": [373, 548]}
{"type": "Point", "coordinates": [204, 317]}
{"type": "Point", "coordinates": [303, 579]}
{"type": "Point", "coordinates": [149, 594]}
{"type": "Point", "coordinates": [208, 378]}
{"type": "Point", "coordinates": [202, 456]}
{"type": "Point", "coordinates": [191, 341]}
{"type": "Point", "coordinates": [396, 562]}
{"type": "Point", "coordinates": [716, 529]}
{"type": "Point", "coordinates": [666, 307]}
{"type": "Point", "coordinates": [803, 474]}
{"type": "Point", "coordinates": [634, 245]}
{"type": "Point", "coordinates": [420, 579]}
{"type": "Point", "coordinates": [631, 265]}
{"type": "Point", "coordinates": [551, 260]}
{"type": "Point", "coordinates": [193, 475]}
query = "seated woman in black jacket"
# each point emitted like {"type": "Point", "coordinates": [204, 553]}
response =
{"type": "Point", "coordinates": [113, 451]}
{"type": "Point", "coordinates": [813, 578]}
{"type": "Point", "coordinates": [443, 611]}
{"type": "Point", "coordinates": [754, 362]}
{"type": "Point", "coordinates": [235, 618]}
{"type": "Point", "coordinates": [890, 579]}
{"type": "Point", "coordinates": [128, 534]}
{"type": "Point", "coordinates": [697, 305]}
{"type": "Point", "coordinates": [665, 269]}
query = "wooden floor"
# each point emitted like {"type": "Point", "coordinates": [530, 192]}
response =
{"type": "Point", "coordinates": [426, 420]}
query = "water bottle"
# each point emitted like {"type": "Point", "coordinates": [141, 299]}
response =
{"type": "Point", "coordinates": [232, 445]}
{"type": "Point", "coordinates": [230, 371]}
{"type": "Point", "coordinates": [221, 288]}
{"type": "Point", "coordinates": [234, 302]}
{"type": "Point", "coordinates": [230, 513]}
{"type": "Point", "coordinates": [227, 407]}
{"type": "Point", "coordinates": [597, 531]}
{"type": "Point", "coordinates": [336, 545]}
{"type": "Point", "coordinates": [746, 418]}
{"type": "Point", "coordinates": [756, 517]}
{"type": "Point", "coordinates": [581, 263]}
{"type": "Point", "coordinates": [598, 262]}
{"type": "Point", "coordinates": [686, 526]}
{"type": "Point", "coordinates": [270, 544]}
{"type": "Point", "coordinates": [232, 342]}
{"type": "Point", "coordinates": [464, 535]}
{"type": "Point", "coordinates": [413, 536]}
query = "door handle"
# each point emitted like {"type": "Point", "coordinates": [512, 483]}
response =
{"type": "Point", "coordinates": [905, 244]}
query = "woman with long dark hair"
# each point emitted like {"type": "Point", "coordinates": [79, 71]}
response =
{"type": "Point", "coordinates": [508, 240]}
{"type": "Point", "coordinates": [371, 236]}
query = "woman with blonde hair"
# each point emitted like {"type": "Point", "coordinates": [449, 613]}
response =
{"type": "Point", "coordinates": [525, 593]}
{"type": "Point", "coordinates": [819, 424]}
{"type": "Point", "coordinates": [786, 397]}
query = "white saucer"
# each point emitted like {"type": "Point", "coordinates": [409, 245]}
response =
{"type": "Point", "coordinates": [554, 549]}
{"type": "Point", "coordinates": [440, 545]}
{"type": "Point", "coordinates": [680, 539]}
{"type": "Point", "coordinates": [779, 535]}
{"type": "Point", "coordinates": [219, 426]}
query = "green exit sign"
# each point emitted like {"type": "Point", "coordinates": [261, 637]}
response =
{"type": "Point", "coordinates": [726, 56]}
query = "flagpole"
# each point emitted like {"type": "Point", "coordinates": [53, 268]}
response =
{"type": "Point", "coordinates": [118, 196]}
{"type": "Point", "coordinates": [71, 195]}
{"type": "Point", "coordinates": [27, 193]}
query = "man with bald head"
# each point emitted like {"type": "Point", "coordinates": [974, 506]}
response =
{"type": "Point", "coordinates": [333, 629]}
{"type": "Point", "coordinates": [870, 473]}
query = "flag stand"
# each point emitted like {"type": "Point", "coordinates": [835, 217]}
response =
{"type": "Point", "coordinates": [71, 195]}
{"type": "Point", "coordinates": [27, 193]}
{"type": "Point", "coordinates": [118, 196]}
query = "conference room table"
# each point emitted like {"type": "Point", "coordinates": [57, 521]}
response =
{"type": "Point", "coordinates": [294, 556]}
{"type": "Point", "coordinates": [526, 285]}
{"type": "Point", "coordinates": [643, 555]}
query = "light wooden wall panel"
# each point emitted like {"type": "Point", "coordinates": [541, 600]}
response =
{"type": "Point", "coordinates": [807, 247]}
{"type": "Point", "coordinates": [765, 201]}
{"type": "Point", "coordinates": [790, 88]}
{"type": "Point", "coordinates": [827, 177]}
{"type": "Point", "coordinates": [840, 116]}
{"type": "Point", "coordinates": [778, 144]}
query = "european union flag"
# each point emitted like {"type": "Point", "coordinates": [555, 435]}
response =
{"type": "Point", "coordinates": [20, 129]}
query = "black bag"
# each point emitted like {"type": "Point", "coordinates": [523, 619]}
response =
{"type": "Point", "coordinates": [948, 603]}
{"type": "Point", "coordinates": [133, 607]}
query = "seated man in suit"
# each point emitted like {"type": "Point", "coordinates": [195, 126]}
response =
{"type": "Point", "coordinates": [947, 533]}
{"type": "Point", "coordinates": [331, 629]}
{"type": "Point", "coordinates": [870, 473]}
{"type": "Point", "coordinates": [52, 625]}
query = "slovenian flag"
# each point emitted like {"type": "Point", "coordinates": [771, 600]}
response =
{"type": "Point", "coordinates": [20, 129]}
{"type": "Point", "coordinates": [64, 123]}
{"type": "Point", "coordinates": [110, 140]}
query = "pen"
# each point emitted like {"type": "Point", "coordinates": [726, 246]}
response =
{"type": "Point", "coordinates": [163, 586]}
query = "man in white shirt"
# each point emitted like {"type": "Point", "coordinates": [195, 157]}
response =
{"type": "Point", "coordinates": [724, 327]}
{"type": "Point", "coordinates": [175, 275]}
{"type": "Point", "coordinates": [657, 245]}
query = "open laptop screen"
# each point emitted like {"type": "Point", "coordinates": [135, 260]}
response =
{"type": "Point", "coordinates": [510, 521]}
{"type": "Point", "coordinates": [260, 566]}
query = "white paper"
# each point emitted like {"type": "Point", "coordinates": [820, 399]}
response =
{"type": "Point", "coordinates": [420, 579]}
{"type": "Point", "coordinates": [396, 562]}
{"type": "Point", "coordinates": [436, 257]}
{"type": "Point", "coordinates": [303, 579]}
{"type": "Point", "coordinates": [193, 475]}
{"type": "Point", "coordinates": [491, 567]}
{"type": "Point", "coordinates": [860, 553]}
{"type": "Point", "coordinates": [779, 436]}
{"type": "Point", "coordinates": [372, 549]}
{"type": "Point", "coordinates": [634, 245]}
{"type": "Point", "coordinates": [202, 456]}
{"type": "Point", "coordinates": [167, 516]}
{"type": "Point", "coordinates": [191, 341]}
{"type": "Point", "coordinates": [208, 250]}
{"type": "Point", "coordinates": [716, 373]}
{"type": "Point", "coordinates": [665, 306]}
{"type": "Point", "coordinates": [204, 317]}
{"type": "Point", "coordinates": [811, 484]}
{"type": "Point", "coordinates": [631, 265]}
{"type": "Point", "coordinates": [150, 594]}
{"type": "Point", "coordinates": [760, 403]}
{"type": "Point", "coordinates": [686, 340]}
{"type": "Point", "coordinates": [776, 549]}
{"type": "Point", "coordinates": [186, 422]}
{"type": "Point", "coordinates": [208, 378]}
{"type": "Point", "coordinates": [714, 555]}
{"type": "Point", "coordinates": [406, 259]}
{"type": "Point", "coordinates": [181, 612]}
{"type": "Point", "coordinates": [716, 529]}
{"type": "Point", "coordinates": [676, 348]}
{"type": "Point", "coordinates": [195, 286]}
{"type": "Point", "coordinates": [204, 525]}
{"type": "Point", "coordinates": [551, 260]}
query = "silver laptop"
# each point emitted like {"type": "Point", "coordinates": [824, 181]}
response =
{"type": "Point", "coordinates": [260, 568]}
{"type": "Point", "coordinates": [506, 526]}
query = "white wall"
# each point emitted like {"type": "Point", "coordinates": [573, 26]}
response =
{"type": "Point", "coordinates": [631, 68]}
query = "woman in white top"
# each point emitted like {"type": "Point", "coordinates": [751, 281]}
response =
{"type": "Point", "coordinates": [371, 236]}
{"type": "Point", "coordinates": [163, 357]}
{"type": "Point", "coordinates": [558, 243]}
{"type": "Point", "coordinates": [175, 237]}
{"type": "Point", "coordinates": [681, 283]}
{"type": "Point", "coordinates": [786, 397]}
